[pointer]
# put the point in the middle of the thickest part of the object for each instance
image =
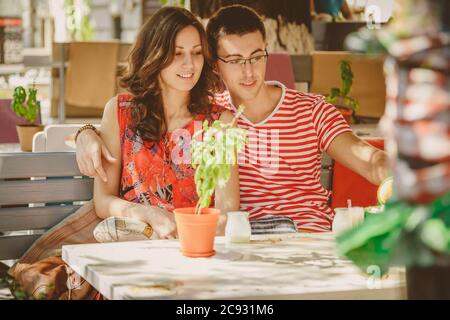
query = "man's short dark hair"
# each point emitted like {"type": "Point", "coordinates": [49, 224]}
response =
{"type": "Point", "coordinates": [233, 20]}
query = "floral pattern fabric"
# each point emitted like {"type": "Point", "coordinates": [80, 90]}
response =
{"type": "Point", "coordinates": [158, 173]}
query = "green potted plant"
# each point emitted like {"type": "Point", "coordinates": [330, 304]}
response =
{"type": "Point", "coordinates": [27, 107]}
{"type": "Point", "coordinates": [214, 150]}
{"type": "Point", "coordinates": [339, 97]}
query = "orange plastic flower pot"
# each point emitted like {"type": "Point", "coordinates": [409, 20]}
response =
{"type": "Point", "coordinates": [197, 231]}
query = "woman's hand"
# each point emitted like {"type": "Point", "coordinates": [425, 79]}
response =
{"type": "Point", "coordinates": [162, 221]}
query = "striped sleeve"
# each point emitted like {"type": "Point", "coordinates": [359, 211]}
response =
{"type": "Point", "coordinates": [328, 122]}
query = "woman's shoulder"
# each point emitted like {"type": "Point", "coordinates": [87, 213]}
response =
{"type": "Point", "coordinates": [117, 103]}
{"type": "Point", "coordinates": [123, 99]}
{"type": "Point", "coordinates": [122, 102]}
{"type": "Point", "coordinates": [117, 108]}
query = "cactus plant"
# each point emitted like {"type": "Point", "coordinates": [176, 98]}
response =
{"type": "Point", "coordinates": [23, 107]}
{"type": "Point", "coordinates": [26, 106]}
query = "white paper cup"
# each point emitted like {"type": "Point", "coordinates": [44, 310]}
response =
{"type": "Point", "coordinates": [343, 220]}
{"type": "Point", "coordinates": [357, 215]}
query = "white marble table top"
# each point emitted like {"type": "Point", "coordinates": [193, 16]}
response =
{"type": "Point", "coordinates": [294, 266]}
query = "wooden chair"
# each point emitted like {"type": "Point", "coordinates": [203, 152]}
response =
{"type": "Point", "coordinates": [56, 138]}
{"type": "Point", "coordinates": [326, 171]}
{"type": "Point", "coordinates": [347, 184]}
{"type": "Point", "coordinates": [37, 191]}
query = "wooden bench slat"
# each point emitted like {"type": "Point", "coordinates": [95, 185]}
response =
{"type": "Point", "coordinates": [38, 164]}
{"type": "Point", "coordinates": [45, 191]}
{"type": "Point", "coordinates": [26, 218]}
{"type": "Point", "coordinates": [13, 247]}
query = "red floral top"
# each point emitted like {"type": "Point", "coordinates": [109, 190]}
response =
{"type": "Point", "coordinates": [158, 173]}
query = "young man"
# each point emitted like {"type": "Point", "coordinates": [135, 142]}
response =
{"type": "Point", "coordinates": [288, 130]}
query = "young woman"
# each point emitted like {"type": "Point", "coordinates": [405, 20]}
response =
{"type": "Point", "coordinates": [148, 130]}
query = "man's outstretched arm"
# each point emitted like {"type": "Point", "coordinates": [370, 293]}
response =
{"type": "Point", "coordinates": [359, 156]}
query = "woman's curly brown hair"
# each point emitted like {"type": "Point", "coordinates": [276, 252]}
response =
{"type": "Point", "coordinates": [153, 51]}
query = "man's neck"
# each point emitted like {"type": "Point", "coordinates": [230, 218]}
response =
{"type": "Point", "coordinates": [260, 107]}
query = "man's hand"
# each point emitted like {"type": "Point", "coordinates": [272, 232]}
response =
{"type": "Point", "coordinates": [90, 150]}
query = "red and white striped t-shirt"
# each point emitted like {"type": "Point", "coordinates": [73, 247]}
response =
{"type": "Point", "coordinates": [279, 170]}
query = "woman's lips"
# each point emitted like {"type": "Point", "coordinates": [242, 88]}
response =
{"type": "Point", "coordinates": [185, 75]}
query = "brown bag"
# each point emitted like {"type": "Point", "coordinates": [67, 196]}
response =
{"type": "Point", "coordinates": [42, 274]}
{"type": "Point", "coordinates": [50, 278]}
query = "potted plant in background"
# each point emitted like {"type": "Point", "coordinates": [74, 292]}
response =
{"type": "Point", "coordinates": [214, 150]}
{"type": "Point", "coordinates": [413, 230]}
{"type": "Point", "coordinates": [339, 97]}
{"type": "Point", "coordinates": [28, 108]}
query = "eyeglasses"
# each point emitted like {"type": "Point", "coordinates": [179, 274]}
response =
{"type": "Point", "coordinates": [243, 61]}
